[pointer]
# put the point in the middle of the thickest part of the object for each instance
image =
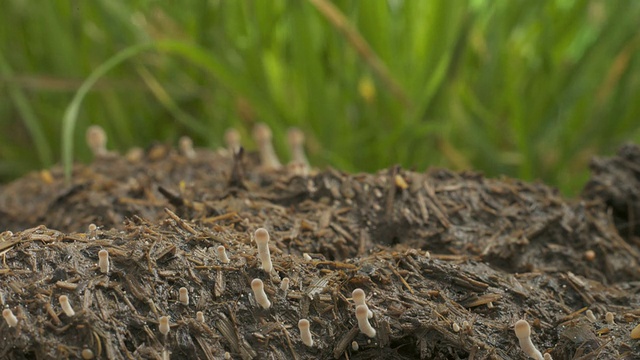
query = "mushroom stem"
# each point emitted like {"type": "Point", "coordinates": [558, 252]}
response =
{"type": "Point", "coordinates": [305, 332]}
{"type": "Point", "coordinates": [66, 305]}
{"type": "Point", "coordinates": [262, 240]}
{"type": "Point", "coordinates": [363, 321]}
{"type": "Point", "coordinates": [258, 291]}
{"type": "Point", "coordinates": [523, 332]}
{"type": "Point", "coordinates": [9, 317]}
{"type": "Point", "coordinates": [262, 137]}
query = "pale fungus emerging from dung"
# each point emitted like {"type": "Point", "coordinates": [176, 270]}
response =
{"type": "Point", "coordinates": [295, 137]}
{"type": "Point", "coordinates": [232, 140]}
{"type": "Point", "coordinates": [87, 354]}
{"type": "Point", "coordinates": [200, 316]}
{"type": "Point", "coordinates": [455, 327]}
{"type": "Point", "coordinates": [186, 147]}
{"type": "Point", "coordinates": [262, 240]}
{"type": "Point", "coordinates": [363, 321]}
{"type": "Point", "coordinates": [163, 325]}
{"type": "Point", "coordinates": [262, 137]}
{"type": "Point", "coordinates": [258, 291]}
{"type": "Point", "coordinates": [284, 285]}
{"type": "Point", "coordinates": [299, 163]}
{"type": "Point", "coordinates": [298, 169]}
{"type": "Point", "coordinates": [9, 317]}
{"type": "Point", "coordinates": [306, 257]}
{"type": "Point", "coordinates": [134, 155]}
{"type": "Point", "coordinates": [222, 255]}
{"type": "Point", "coordinates": [523, 333]}
{"type": "Point", "coordinates": [590, 316]}
{"type": "Point", "coordinates": [466, 326]}
{"type": "Point", "coordinates": [609, 318]}
{"type": "Point", "coordinates": [66, 305]}
{"type": "Point", "coordinates": [184, 296]}
{"type": "Point", "coordinates": [227, 355]}
{"type": "Point", "coordinates": [305, 332]}
{"type": "Point", "coordinates": [359, 297]}
{"type": "Point", "coordinates": [93, 231]}
{"type": "Point", "coordinates": [97, 140]}
{"type": "Point", "coordinates": [103, 261]}
{"type": "Point", "coordinates": [355, 346]}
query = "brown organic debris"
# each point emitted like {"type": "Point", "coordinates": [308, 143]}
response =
{"type": "Point", "coordinates": [498, 251]}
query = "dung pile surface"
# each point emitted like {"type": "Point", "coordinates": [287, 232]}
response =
{"type": "Point", "coordinates": [498, 250]}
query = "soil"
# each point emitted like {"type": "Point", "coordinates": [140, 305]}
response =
{"type": "Point", "coordinates": [449, 261]}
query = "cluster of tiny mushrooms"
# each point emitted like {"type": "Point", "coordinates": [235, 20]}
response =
{"type": "Point", "coordinates": [97, 140]}
{"type": "Point", "coordinates": [362, 312]}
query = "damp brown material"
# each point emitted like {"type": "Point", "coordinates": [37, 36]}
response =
{"type": "Point", "coordinates": [499, 251]}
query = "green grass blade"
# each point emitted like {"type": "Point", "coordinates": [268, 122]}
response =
{"type": "Point", "coordinates": [29, 117]}
{"type": "Point", "coordinates": [72, 111]}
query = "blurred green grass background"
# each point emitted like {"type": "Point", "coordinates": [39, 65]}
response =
{"type": "Point", "coordinates": [530, 89]}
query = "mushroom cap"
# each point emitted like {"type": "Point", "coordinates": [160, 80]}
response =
{"type": "Point", "coordinates": [295, 136]}
{"type": "Point", "coordinates": [261, 133]}
{"type": "Point", "coordinates": [261, 236]}
{"type": "Point", "coordinates": [358, 296]}
{"type": "Point", "coordinates": [522, 329]}
{"type": "Point", "coordinates": [256, 285]}
{"type": "Point", "coordinates": [362, 311]}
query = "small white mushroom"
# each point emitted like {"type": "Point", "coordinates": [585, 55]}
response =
{"type": "Point", "coordinates": [66, 305]}
{"type": "Point", "coordinates": [186, 147]}
{"type": "Point", "coordinates": [299, 164]}
{"type": "Point", "coordinates": [134, 155]}
{"type": "Point", "coordinates": [455, 327]}
{"type": "Point", "coordinates": [87, 354]}
{"type": "Point", "coordinates": [222, 255]}
{"type": "Point", "coordinates": [466, 326]}
{"type": "Point", "coordinates": [163, 325]}
{"type": "Point", "coordinates": [355, 346]}
{"type": "Point", "coordinates": [363, 321]}
{"type": "Point", "coordinates": [103, 261]}
{"type": "Point", "coordinates": [258, 291]}
{"type": "Point", "coordinates": [184, 296]}
{"type": "Point", "coordinates": [547, 356]}
{"type": "Point", "coordinates": [262, 240]}
{"type": "Point", "coordinates": [305, 332]}
{"type": "Point", "coordinates": [359, 296]}
{"type": "Point", "coordinates": [8, 316]}
{"type": "Point", "coordinates": [284, 285]}
{"type": "Point", "coordinates": [97, 140]}
{"type": "Point", "coordinates": [232, 139]}
{"type": "Point", "coordinates": [590, 316]}
{"type": "Point", "coordinates": [609, 318]}
{"type": "Point", "coordinates": [295, 138]}
{"type": "Point", "coordinates": [200, 316]}
{"type": "Point", "coordinates": [262, 137]}
{"type": "Point", "coordinates": [523, 333]}
{"type": "Point", "coordinates": [307, 257]}
{"type": "Point", "coordinates": [93, 229]}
